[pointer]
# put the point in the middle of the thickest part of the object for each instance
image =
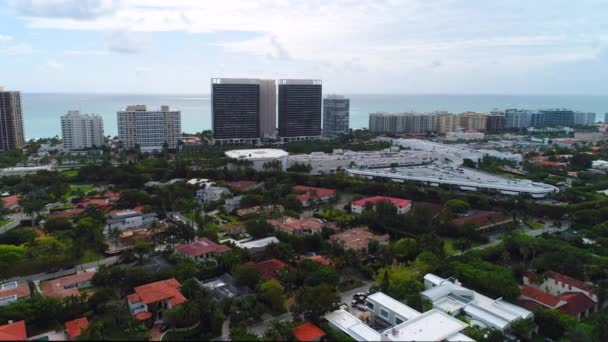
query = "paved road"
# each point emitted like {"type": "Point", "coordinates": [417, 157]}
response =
{"type": "Point", "coordinates": [45, 276]}
{"type": "Point", "coordinates": [225, 332]}
{"type": "Point", "coordinates": [260, 328]}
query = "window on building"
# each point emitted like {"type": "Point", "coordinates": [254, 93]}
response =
{"type": "Point", "coordinates": [383, 313]}
{"type": "Point", "coordinates": [398, 321]}
{"type": "Point", "coordinates": [369, 305]}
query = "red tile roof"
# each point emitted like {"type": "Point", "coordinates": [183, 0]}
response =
{"type": "Point", "coordinates": [398, 202]}
{"type": "Point", "coordinates": [202, 246]}
{"type": "Point", "coordinates": [308, 332]}
{"type": "Point", "coordinates": [11, 201]}
{"type": "Point", "coordinates": [13, 332]}
{"type": "Point", "coordinates": [358, 238]}
{"type": "Point", "coordinates": [577, 303]}
{"type": "Point", "coordinates": [308, 192]}
{"type": "Point", "coordinates": [292, 225]}
{"type": "Point", "coordinates": [481, 218]}
{"type": "Point", "coordinates": [21, 291]}
{"type": "Point", "coordinates": [59, 287]}
{"type": "Point", "coordinates": [102, 203]}
{"type": "Point", "coordinates": [562, 278]}
{"type": "Point", "coordinates": [167, 289]}
{"type": "Point", "coordinates": [268, 269]}
{"type": "Point", "coordinates": [68, 213]}
{"type": "Point", "coordinates": [75, 327]}
{"type": "Point", "coordinates": [143, 315]}
{"type": "Point", "coordinates": [241, 185]}
{"type": "Point", "coordinates": [543, 298]}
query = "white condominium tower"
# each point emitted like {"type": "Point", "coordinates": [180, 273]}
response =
{"type": "Point", "coordinates": [81, 131]}
{"type": "Point", "coordinates": [147, 129]}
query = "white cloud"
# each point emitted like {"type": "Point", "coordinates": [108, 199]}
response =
{"type": "Point", "coordinates": [19, 49]}
{"type": "Point", "coordinates": [75, 9]}
{"type": "Point", "coordinates": [51, 66]}
{"type": "Point", "coordinates": [5, 38]}
{"type": "Point", "coordinates": [123, 41]}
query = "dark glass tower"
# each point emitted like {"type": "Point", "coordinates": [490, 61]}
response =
{"type": "Point", "coordinates": [300, 109]}
{"type": "Point", "coordinates": [11, 120]}
{"type": "Point", "coordinates": [235, 107]}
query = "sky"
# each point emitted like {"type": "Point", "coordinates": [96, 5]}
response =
{"type": "Point", "coordinates": [354, 46]}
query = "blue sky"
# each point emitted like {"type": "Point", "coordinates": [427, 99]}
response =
{"type": "Point", "coordinates": [383, 46]}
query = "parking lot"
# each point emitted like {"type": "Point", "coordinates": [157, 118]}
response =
{"type": "Point", "coordinates": [347, 297]}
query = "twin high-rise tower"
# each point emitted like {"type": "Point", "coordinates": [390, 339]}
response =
{"type": "Point", "coordinates": [244, 111]}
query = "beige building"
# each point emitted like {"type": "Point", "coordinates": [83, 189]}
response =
{"type": "Point", "coordinates": [590, 136]}
{"type": "Point", "coordinates": [446, 122]}
{"type": "Point", "coordinates": [474, 121]}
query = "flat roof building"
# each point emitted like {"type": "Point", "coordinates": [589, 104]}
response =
{"type": "Point", "coordinates": [80, 131]}
{"type": "Point", "coordinates": [11, 120]}
{"type": "Point", "coordinates": [300, 109]}
{"type": "Point", "coordinates": [259, 158]}
{"type": "Point", "coordinates": [336, 115]}
{"type": "Point", "coordinates": [235, 110]}
{"type": "Point", "coordinates": [150, 130]}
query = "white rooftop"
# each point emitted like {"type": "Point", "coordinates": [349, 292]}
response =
{"type": "Point", "coordinates": [393, 305]}
{"type": "Point", "coordinates": [432, 325]}
{"type": "Point", "coordinates": [258, 243]}
{"type": "Point", "coordinates": [257, 153]}
{"type": "Point", "coordinates": [352, 326]}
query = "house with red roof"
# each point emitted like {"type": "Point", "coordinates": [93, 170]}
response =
{"type": "Point", "coordinates": [102, 203]}
{"type": "Point", "coordinates": [13, 291]}
{"type": "Point", "coordinates": [402, 205]}
{"type": "Point", "coordinates": [11, 202]}
{"type": "Point", "coordinates": [201, 249]}
{"type": "Point", "coordinates": [306, 194]}
{"type": "Point", "coordinates": [13, 331]}
{"type": "Point", "coordinates": [554, 290]}
{"type": "Point", "coordinates": [66, 286]}
{"type": "Point", "coordinates": [318, 258]}
{"type": "Point", "coordinates": [270, 268]}
{"type": "Point", "coordinates": [67, 213]}
{"type": "Point", "coordinates": [358, 238]}
{"type": "Point", "coordinates": [290, 225]}
{"type": "Point", "coordinates": [75, 327]}
{"type": "Point", "coordinates": [151, 300]}
{"type": "Point", "coordinates": [308, 332]}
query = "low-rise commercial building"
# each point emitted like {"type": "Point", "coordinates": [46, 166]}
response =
{"type": "Point", "coordinates": [259, 159]}
{"type": "Point", "coordinates": [467, 136]}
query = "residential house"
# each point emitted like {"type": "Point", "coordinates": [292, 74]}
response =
{"type": "Point", "coordinates": [151, 300]}
{"type": "Point", "coordinates": [307, 194]}
{"type": "Point", "coordinates": [269, 268]}
{"type": "Point", "coordinates": [484, 221]}
{"type": "Point", "coordinates": [125, 219]}
{"type": "Point", "coordinates": [232, 204]}
{"type": "Point", "coordinates": [211, 194]}
{"type": "Point", "coordinates": [402, 205]}
{"type": "Point", "coordinates": [391, 320]}
{"type": "Point", "coordinates": [243, 185]}
{"type": "Point", "coordinates": [13, 331]}
{"type": "Point", "coordinates": [11, 202]}
{"type": "Point", "coordinates": [259, 210]}
{"type": "Point", "coordinates": [67, 286]}
{"type": "Point", "coordinates": [449, 296]}
{"type": "Point", "coordinates": [75, 327]}
{"type": "Point", "coordinates": [358, 238]}
{"type": "Point", "coordinates": [308, 332]}
{"type": "Point", "coordinates": [318, 258]}
{"type": "Point", "coordinates": [290, 225]}
{"type": "Point", "coordinates": [223, 287]}
{"type": "Point", "coordinates": [13, 291]}
{"type": "Point", "coordinates": [256, 247]}
{"type": "Point", "coordinates": [557, 291]}
{"type": "Point", "coordinates": [201, 249]}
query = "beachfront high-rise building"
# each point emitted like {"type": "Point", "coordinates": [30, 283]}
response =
{"type": "Point", "coordinates": [605, 117]}
{"type": "Point", "coordinates": [517, 118]}
{"type": "Point", "coordinates": [81, 131]}
{"type": "Point", "coordinates": [336, 115]}
{"type": "Point", "coordinates": [11, 120]}
{"type": "Point", "coordinates": [268, 109]}
{"type": "Point", "coordinates": [235, 110]}
{"type": "Point", "coordinates": [300, 109]}
{"type": "Point", "coordinates": [495, 122]}
{"type": "Point", "coordinates": [150, 130]}
{"type": "Point", "coordinates": [557, 117]}
{"type": "Point", "coordinates": [473, 121]}
{"type": "Point", "coordinates": [396, 123]}
{"type": "Point", "coordinates": [445, 122]}
{"type": "Point", "coordinates": [584, 118]}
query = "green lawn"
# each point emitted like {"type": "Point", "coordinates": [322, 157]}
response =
{"type": "Point", "coordinates": [74, 189]}
{"type": "Point", "coordinates": [70, 173]}
{"type": "Point", "coordinates": [448, 247]}
{"type": "Point", "coordinates": [90, 256]}
{"type": "Point", "coordinates": [534, 224]}
{"type": "Point", "coordinates": [4, 222]}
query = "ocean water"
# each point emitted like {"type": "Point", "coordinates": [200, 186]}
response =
{"type": "Point", "coordinates": [41, 111]}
